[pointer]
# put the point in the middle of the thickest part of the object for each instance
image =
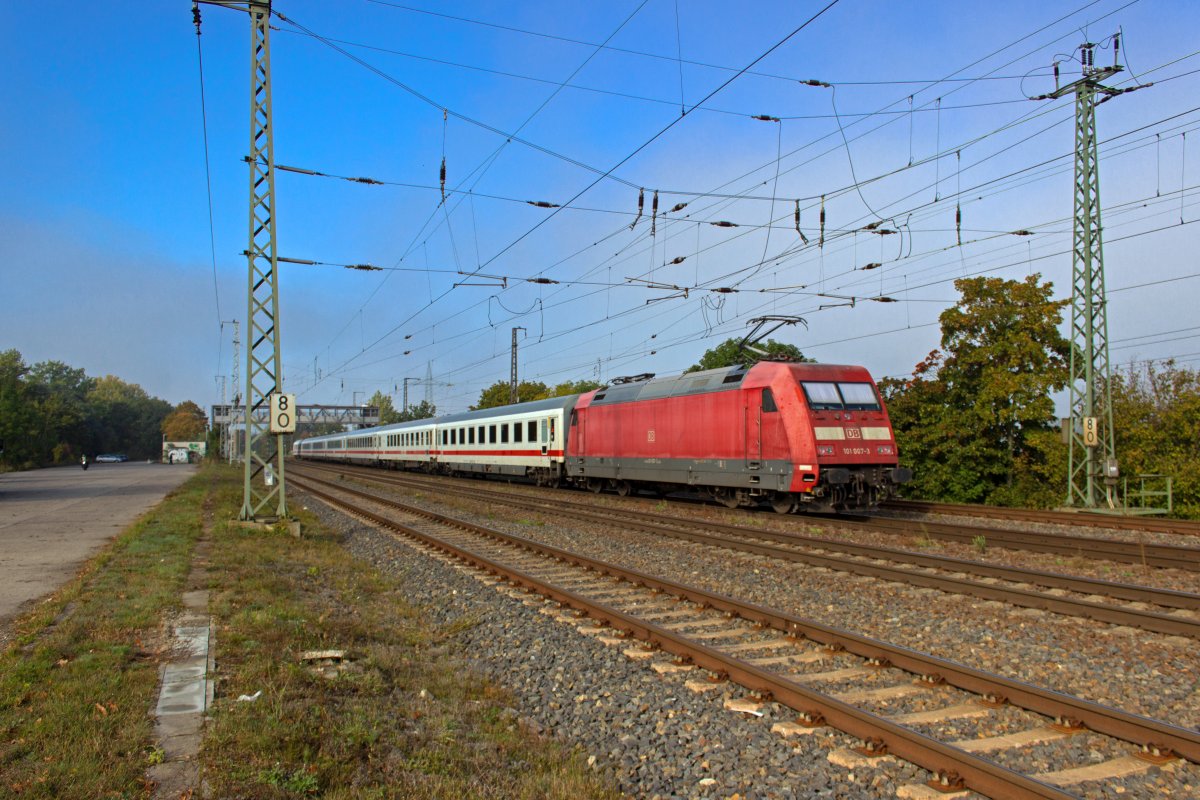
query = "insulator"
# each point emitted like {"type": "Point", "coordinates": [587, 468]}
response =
{"type": "Point", "coordinates": [821, 241]}
{"type": "Point", "coordinates": [723, 224]}
{"type": "Point", "coordinates": [654, 214]}
{"type": "Point", "coordinates": [678, 207]}
{"type": "Point", "coordinates": [958, 223]}
{"type": "Point", "coordinates": [196, 16]}
{"type": "Point", "coordinates": [443, 178]}
{"type": "Point", "coordinates": [641, 205]}
{"type": "Point", "coordinates": [678, 259]}
{"type": "Point", "coordinates": [542, 204]}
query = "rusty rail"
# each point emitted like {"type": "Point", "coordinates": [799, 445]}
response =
{"type": "Point", "coordinates": [1148, 733]}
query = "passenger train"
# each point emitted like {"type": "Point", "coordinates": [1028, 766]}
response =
{"type": "Point", "coordinates": [793, 435]}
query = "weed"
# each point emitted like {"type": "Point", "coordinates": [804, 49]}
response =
{"type": "Point", "coordinates": [980, 544]}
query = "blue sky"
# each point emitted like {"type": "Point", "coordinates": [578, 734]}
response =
{"type": "Point", "coordinates": [106, 261]}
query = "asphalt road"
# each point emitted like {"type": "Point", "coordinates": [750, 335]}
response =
{"type": "Point", "coordinates": [53, 520]}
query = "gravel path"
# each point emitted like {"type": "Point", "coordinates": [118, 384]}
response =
{"type": "Point", "coordinates": [657, 736]}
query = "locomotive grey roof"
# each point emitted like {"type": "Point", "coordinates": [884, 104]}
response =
{"type": "Point", "coordinates": [711, 380]}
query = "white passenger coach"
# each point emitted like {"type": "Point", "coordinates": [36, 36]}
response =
{"type": "Point", "coordinates": [522, 440]}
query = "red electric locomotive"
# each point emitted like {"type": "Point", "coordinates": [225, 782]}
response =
{"type": "Point", "coordinates": [799, 435]}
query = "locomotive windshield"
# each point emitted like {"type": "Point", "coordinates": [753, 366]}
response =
{"type": "Point", "coordinates": [840, 396]}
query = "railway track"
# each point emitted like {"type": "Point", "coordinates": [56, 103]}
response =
{"type": "Point", "coordinates": [1077, 518]}
{"type": "Point", "coordinates": [787, 659]}
{"type": "Point", "coordinates": [1145, 554]}
{"type": "Point", "coordinates": [1021, 587]}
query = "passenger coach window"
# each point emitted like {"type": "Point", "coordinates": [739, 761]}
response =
{"type": "Point", "coordinates": [492, 434]}
{"type": "Point", "coordinates": [482, 437]}
{"type": "Point", "coordinates": [516, 432]}
{"type": "Point", "coordinates": [859, 396]}
{"type": "Point", "coordinates": [768, 400]}
{"type": "Point", "coordinates": [470, 436]}
{"type": "Point", "coordinates": [504, 433]}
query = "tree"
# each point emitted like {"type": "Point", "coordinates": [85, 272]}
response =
{"type": "Point", "coordinates": [728, 354]}
{"type": "Point", "coordinates": [422, 410]}
{"type": "Point", "coordinates": [17, 416]}
{"type": "Point", "coordinates": [187, 423]}
{"type": "Point", "coordinates": [574, 387]}
{"type": "Point", "coordinates": [387, 412]}
{"type": "Point", "coordinates": [498, 394]}
{"type": "Point", "coordinates": [1156, 422]}
{"type": "Point", "coordinates": [976, 420]}
{"type": "Point", "coordinates": [122, 417]}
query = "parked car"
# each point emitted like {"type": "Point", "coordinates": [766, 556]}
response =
{"type": "Point", "coordinates": [110, 458]}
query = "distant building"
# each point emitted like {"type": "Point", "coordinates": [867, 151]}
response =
{"type": "Point", "coordinates": [183, 452]}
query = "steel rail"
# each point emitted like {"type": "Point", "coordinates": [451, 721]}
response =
{"type": "Point", "coordinates": [669, 526]}
{"type": "Point", "coordinates": [1160, 556]}
{"type": "Point", "coordinates": [1149, 734]}
{"type": "Point", "coordinates": [977, 773]}
{"type": "Point", "coordinates": [1089, 519]}
{"type": "Point", "coordinates": [1149, 554]}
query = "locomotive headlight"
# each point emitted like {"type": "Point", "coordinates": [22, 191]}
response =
{"type": "Point", "coordinates": [886, 450]}
{"type": "Point", "coordinates": [824, 449]}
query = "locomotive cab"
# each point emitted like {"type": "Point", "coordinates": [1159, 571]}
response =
{"type": "Point", "coordinates": [847, 449]}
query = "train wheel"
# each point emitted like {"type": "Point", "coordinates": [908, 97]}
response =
{"type": "Point", "coordinates": [783, 502]}
{"type": "Point", "coordinates": [595, 485]}
{"type": "Point", "coordinates": [624, 488]}
{"type": "Point", "coordinates": [727, 497]}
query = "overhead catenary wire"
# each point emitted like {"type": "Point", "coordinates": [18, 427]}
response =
{"type": "Point", "coordinates": [847, 227]}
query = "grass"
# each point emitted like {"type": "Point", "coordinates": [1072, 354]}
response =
{"type": "Point", "coordinates": [404, 720]}
{"type": "Point", "coordinates": [76, 685]}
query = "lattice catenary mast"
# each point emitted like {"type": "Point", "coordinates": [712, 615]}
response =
{"type": "Point", "coordinates": [1093, 459]}
{"type": "Point", "coordinates": [263, 459]}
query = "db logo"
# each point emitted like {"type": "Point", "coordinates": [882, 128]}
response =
{"type": "Point", "coordinates": [853, 433]}
{"type": "Point", "coordinates": [649, 435]}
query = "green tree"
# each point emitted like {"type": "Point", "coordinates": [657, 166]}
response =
{"type": "Point", "coordinates": [976, 420]}
{"type": "Point", "coordinates": [498, 394]}
{"type": "Point", "coordinates": [122, 417]}
{"type": "Point", "coordinates": [422, 410]}
{"type": "Point", "coordinates": [727, 354]}
{"type": "Point", "coordinates": [574, 387]}
{"type": "Point", "coordinates": [59, 399]}
{"type": "Point", "coordinates": [1156, 422]}
{"type": "Point", "coordinates": [387, 412]}
{"type": "Point", "coordinates": [18, 417]}
{"type": "Point", "coordinates": [187, 423]}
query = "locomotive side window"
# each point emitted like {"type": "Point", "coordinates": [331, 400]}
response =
{"type": "Point", "coordinates": [859, 396]}
{"type": "Point", "coordinates": [768, 400]}
{"type": "Point", "coordinates": [822, 396]}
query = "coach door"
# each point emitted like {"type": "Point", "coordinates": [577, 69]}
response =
{"type": "Point", "coordinates": [545, 435]}
{"type": "Point", "coordinates": [753, 416]}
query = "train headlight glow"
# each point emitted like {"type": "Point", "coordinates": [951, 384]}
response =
{"type": "Point", "coordinates": [824, 449]}
{"type": "Point", "coordinates": [886, 450]}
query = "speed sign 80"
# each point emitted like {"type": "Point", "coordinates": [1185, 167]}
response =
{"type": "Point", "coordinates": [283, 413]}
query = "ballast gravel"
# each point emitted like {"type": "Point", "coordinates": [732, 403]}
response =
{"type": "Point", "coordinates": [682, 745]}
{"type": "Point", "coordinates": [656, 737]}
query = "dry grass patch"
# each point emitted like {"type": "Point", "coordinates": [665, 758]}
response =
{"type": "Point", "coordinates": [403, 720]}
